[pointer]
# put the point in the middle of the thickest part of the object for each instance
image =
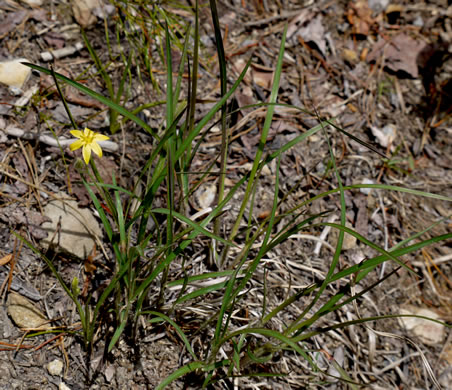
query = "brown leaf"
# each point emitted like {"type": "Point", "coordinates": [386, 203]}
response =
{"type": "Point", "coordinates": [6, 259]}
{"type": "Point", "coordinates": [400, 54]}
{"type": "Point", "coordinates": [55, 40]}
{"type": "Point", "coordinates": [11, 21]}
{"type": "Point", "coordinates": [359, 15]}
{"type": "Point", "coordinates": [362, 219]}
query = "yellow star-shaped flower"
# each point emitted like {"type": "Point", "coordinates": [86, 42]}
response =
{"type": "Point", "coordinates": [87, 139]}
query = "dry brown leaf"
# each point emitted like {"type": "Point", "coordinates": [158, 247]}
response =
{"type": "Point", "coordinates": [400, 54]}
{"type": "Point", "coordinates": [84, 12]}
{"type": "Point", "coordinates": [6, 259]}
{"type": "Point", "coordinates": [263, 79]}
{"type": "Point", "coordinates": [12, 20]}
{"type": "Point", "coordinates": [359, 15]}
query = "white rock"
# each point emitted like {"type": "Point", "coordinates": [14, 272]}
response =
{"type": "Point", "coordinates": [55, 367]}
{"type": "Point", "coordinates": [77, 230]}
{"type": "Point", "coordinates": [63, 386]}
{"type": "Point", "coordinates": [33, 3]}
{"type": "Point", "coordinates": [109, 373]}
{"type": "Point", "coordinates": [429, 332]}
{"type": "Point", "coordinates": [366, 190]}
{"type": "Point", "coordinates": [378, 5]}
{"type": "Point", "coordinates": [13, 73]}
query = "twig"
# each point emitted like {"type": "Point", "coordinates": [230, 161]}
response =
{"type": "Point", "coordinates": [60, 53]}
{"type": "Point", "coordinates": [51, 141]}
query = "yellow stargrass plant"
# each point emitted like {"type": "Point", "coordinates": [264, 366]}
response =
{"type": "Point", "coordinates": [149, 241]}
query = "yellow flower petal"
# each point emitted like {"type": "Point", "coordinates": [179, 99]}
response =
{"type": "Point", "coordinates": [76, 145]}
{"type": "Point", "coordinates": [96, 149]}
{"type": "Point", "coordinates": [76, 133]}
{"type": "Point", "coordinates": [86, 153]}
{"type": "Point", "coordinates": [100, 137]}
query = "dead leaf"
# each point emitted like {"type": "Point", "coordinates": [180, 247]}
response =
{"type": "Point", "coordinates": [362, 218]}
{"type": "Point", "coordinates": [263, 79]}
{"type": "Point", "coordinates": [245, 96]}
{"type": "Point", "coordinates": [304, 16]}
{"type": "Point", "coordinates": [394, 8]}
{"type": "Point", "coordinates": [385, 136]}
{"type": "Point", "coordinates": [400, 54]}
{"type": "Point", "coordinates": [70, 93]}
{"type": "Point", "coordinates": [310, 28]}
{"type": "Point", "coordinates": [6, 259]}
{"type": "Point", "coordinates": [350, 56]}
{"type": "Point", "coordinates": [239, 64]}
{"type": "Point", "coordinates": [84, 12]}
{"type": "Point", "coordinates": [54, 39]}
{"type": "Point", "coordinates": [12, 20]}
{"type": "Point", "coordinates": [314, 32]}
{"type": "Point", "coordinates": [359, 15]}
{"type": "Point", "coordinates": [205, 195]}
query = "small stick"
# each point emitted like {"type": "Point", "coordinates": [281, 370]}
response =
{"type": "Point", "coordinates": [60, 53]}
{"type": "Point", "coordinates": [51, 141]}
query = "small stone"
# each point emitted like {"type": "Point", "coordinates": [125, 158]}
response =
{"type": "Point", "coordinates": [366, 190]}
{"type": "Point", "coordinates": [24, 313]}
{"type": "Point", "coordinates": [266, 171]}
{"type": "Point", "coordinates": [71, 227]}
{"type": "Point", "coordinates": [63, 386]}
{"type": "Point", "coordinates": [55, 367]}
{"type": "Point", "coordinates": [33, 3]}
{"type": "Point", "coordinates": [205, 195]}
{"type": "Point", "coordinates": [349, 241]}
{"type": "Point", "coordinates": [109, 373]}
{"type": "Point", "coordinates": [378, 5]}
{"type": "Point", "coordinates": [13, 73]}
{"type": "Point", "coordinates": [429, 332]}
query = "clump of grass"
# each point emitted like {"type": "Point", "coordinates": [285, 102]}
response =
{"type": "Point", "coordinates": [230, 350]}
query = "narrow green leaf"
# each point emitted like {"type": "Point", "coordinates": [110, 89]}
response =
{"type": "Point", "coordinates": [197, 227]}
{"type": "Point", "coordinates": [184, 370]}
{"type": "Point", "coordinates": [97, 96]}
{"type": "Point", "coordinates": [163, 317]}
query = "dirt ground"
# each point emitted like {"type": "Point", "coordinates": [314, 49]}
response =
{"type": "Point", "coordinates": [381, 69]}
